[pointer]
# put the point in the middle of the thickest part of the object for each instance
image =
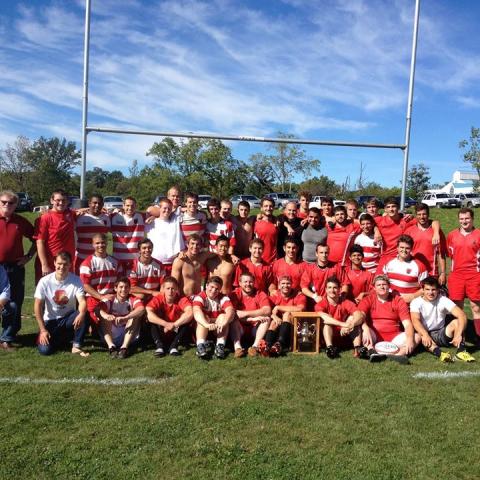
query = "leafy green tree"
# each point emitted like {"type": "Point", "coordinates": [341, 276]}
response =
{"type": "Point", "coordinates": [285, 160]}
{"type": "Point", "coordinates": [418, 180]}
{"type": "Point", "coordinates": [14, 166]}
{"type": "Point", "coordinates": [472, 155]}
{"type": "Point", "coordinates": [320, 186]}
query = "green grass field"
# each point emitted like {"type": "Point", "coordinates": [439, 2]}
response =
{"type": "Point", "coordinates": [287, 418]}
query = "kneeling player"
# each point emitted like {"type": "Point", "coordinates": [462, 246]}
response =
{"type": "Point", "coordinates": [120, 319]}
{"type": "Point", "coordinates": [335, 312]}
{"type": "Point", "coordinates": [428, 314]}
{"type": "Point", "coordinates": [285, 301]}
{"type": "Point", "coordinates": [213, 312]}
{"type": "Point", "coordinates": [169, 316]}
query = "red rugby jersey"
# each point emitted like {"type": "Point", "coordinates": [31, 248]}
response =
{"type": "Point", "coordinates": [268, 232]}
{"type": "Point", "coordinates": [295, 271]}
{"type": "Point", "coordinates": [262, 273]}
{"type": "Point", "coordinates": [170, 313]}
{"type": "Point", "coordinates": [464, 251]}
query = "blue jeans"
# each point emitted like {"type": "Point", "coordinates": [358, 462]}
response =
{"type": "Point", "coordinates": [61, 332]}
{"type": "Point", "coordinates": [16, 277]}
{"type": "Point", "coordinates": [10, 323]}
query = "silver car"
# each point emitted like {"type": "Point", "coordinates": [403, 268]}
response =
{"type": "Point", "coordinates": [112, 203]}
{"type": "Point", "coordinates": [253, 201]}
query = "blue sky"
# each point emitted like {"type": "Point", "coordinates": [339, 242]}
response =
{"type": "Point", "coordinates": [334, 69]}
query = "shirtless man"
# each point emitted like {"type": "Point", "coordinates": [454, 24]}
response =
{"type": "Point", "coordinates": [243, 223]}
{"type": "Point", "coordinates": [221, 265]}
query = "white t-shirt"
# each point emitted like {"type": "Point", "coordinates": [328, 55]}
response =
{"type": "Point", "coordinates": [167, 239]}
{"type": "Point", "coordinates": [60, 297]}
{"type": "Point", "coordinates": [433, 313]}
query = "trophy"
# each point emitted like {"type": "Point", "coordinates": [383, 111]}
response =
{"type": "Point", "coordinates": [306, 329]}
{"type": "Point", "coordinates": [306, 336]}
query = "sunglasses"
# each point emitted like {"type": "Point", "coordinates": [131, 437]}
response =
{"type": "Point", "coordinates": [7, 202]}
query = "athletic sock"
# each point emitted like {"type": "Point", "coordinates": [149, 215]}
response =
{"type": "Point", "coordinates": [199, 342]}
{"type": "Point", "coordinates": [237, 345]}
{"type": "Point", "coordinates": [220, 341]}
{"type": "Point", "coordinates": [437, 352]}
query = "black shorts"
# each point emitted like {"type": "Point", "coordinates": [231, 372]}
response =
{"type": "Point", "coordinates": [440, 337]}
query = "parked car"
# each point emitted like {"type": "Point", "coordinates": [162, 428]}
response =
{"type": "Point", "coordinates": [203, 200]}
{"type": "Point", "coordinates": [112, 203]}
{"type": "Point", "coordinates": [317, 202]}
{"type": "Point", "coordinates": [469, 199]}
{"type": "Point", "coordinates": [409, 201]}
{"type": "Point", "coordinates": [253, 201]}
{"type": "Point", "coordinates": [25, 203]}
{"type": "Point", "coordinates": [281, 199]}
{"type": "Point", "coordinates": [440, 200]}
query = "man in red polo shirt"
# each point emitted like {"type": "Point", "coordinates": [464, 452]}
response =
{"type": "Point", "coordinates": [341, 236]}
{"type": "Point", "coordinates": [360, 279]}
{"type": "Point", "coordinates": [261, 271]}
{"type": "Point", "coordinates": [55, 232]}
{"type": "Point", "coordinates": [253, 316]}
{"type": "Point", "coordinates": [13, 229]}
{"type": "Point", "coordinates": [170, 316]}
{"type": "Point", "coordinates": [290, 265]}
{"type": "Point", "coordinates": [463, 246]}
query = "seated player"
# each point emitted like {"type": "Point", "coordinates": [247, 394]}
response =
{"type": "Point", "coordinates": [8, 313]}
{"type": "Point", "coordinates": [359, 278]}
{"type": "Point", "coordinates": [221, 265]}
{"type": "Point", "coordinates": [384, 316]}
{"type": "Point", "coordinates": [120, 319]}
{"type": "Point", "coordinates": [261, 270]}
{"type": "Point", "coordinates": [285, 300]}
{"type": "Point", "coordinates": [335, 313]}
{"type": "Point", "coordinates": [366, 239]}
{"type": "Point", "coordinates": [170, 316]}
{"type": "Point", "coordinates": [429, 313]}
{"type": "Point", "coordinates": [147, 273]}
{"type": "Point", "coordinates": [405, 272]}
{"type": "Point", "coordinates": [60, 308]}
{"type": "Point", "coordinates": [290, 265]}
{"type": "Point", "coordinates": [98, 273]}
{"type": "Point", "coordinates": [213, 313]}
{"type": "Point", "coordinates": [253, 316]}
{"type": "Point", "coordinates": [315, 276]}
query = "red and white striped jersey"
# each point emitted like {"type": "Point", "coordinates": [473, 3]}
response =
{"type": "Point", "coordinates": [405, 277]}
{"type": "Point", "coordinates": [193, 224]}
{"type": "Point", "coordinates": [212, 308]}
{"type": "Point", "coordinates": [126, 233]}
{"type": "Point", "coordinates": [149, 276]}
{"type": "Point", "coordinates": [371, 251]}
{"type": "Point", "coordinates": [118, 308]}
{"type": "Point", "coordinates": [215, 230]}
{"type": "Point", "coordinates": [86, 226]}
{"type": "Point", "coordinates": [100, 273]}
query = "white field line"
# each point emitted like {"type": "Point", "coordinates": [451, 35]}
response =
{"type": "Point", "coordinates": [84, 381]}
{"type": "Point", "coordinates": [446, 375]}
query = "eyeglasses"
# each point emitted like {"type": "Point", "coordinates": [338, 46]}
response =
{"type": "Point", "coordinates": [7, 202]}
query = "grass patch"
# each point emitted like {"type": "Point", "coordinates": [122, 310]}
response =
{"type": "Point", "coordinates": [296, 417]}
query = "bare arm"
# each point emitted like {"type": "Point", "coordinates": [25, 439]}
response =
{"type": "Point", "coordinates": [42, 255]}
{"type": "Point", "coordinates": [427, 340]}
{"type": "Point", "coordinates": [259, 312]}
{"type": "Point", "coordinates": [44, 336]}
{"type": "Point", "coordinates": [93, 293]}
{"type": "Point", "coordinates": [199, 317]}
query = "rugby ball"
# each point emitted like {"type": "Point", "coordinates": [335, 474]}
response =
{"type": "Point", "coordinates": [386, 348]}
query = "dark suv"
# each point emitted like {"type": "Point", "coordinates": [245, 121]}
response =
{"type": "Point", "coordinates": [25, 203]}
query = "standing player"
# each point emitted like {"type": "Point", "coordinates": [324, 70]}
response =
{"type": "Point", "coordinates": [290, 265]}
{"type": "Point", "coordinates": [128, 228]}
{"type": "Point", "coordinates": [314, 233]}
{"type": "Point", "coordinates": [266, 230]}
{"type": "Point", "coordinates": [253, 317]}
{"type": "Point", "coordinates": [463, 246]}
{"type": "Point", "coordinates": [341, 236]}
{"type": "Point", "coordinates": [304, 199]}
{"type": "Point", "coordinates": [243, 224]}
{"type": "Point", "coordinates": [174, 194]}
{"type": "Point", "coordinates": [352, 210]}
{"type": "Point", "coordinates": [13, 230]}
{"type": "Point", "coordinates": [314, 279]}
{"type": "Point", "coordinates": [359, 278]}
{"type": "Point", "coordinates": [88, 224]}
{"type": "Point", "coordinates": [98, 273]}
{"type": "Point", "coordinates": [327, 210]}
{"type": "Point", "coordinates": [405, 272]}
{"type": "Point", "coordinates": [433, 256]}
{"type": "Point", "coordinates": [192, 220]}
{"type": "Point", "coordinates": [428, 314]}
{"type": "Point", "coordinates": [290, 226]}
{"type": "Point", "coordinates": [366, 239]}
{"type": "Point", "coordinates": [146, 274]}
{"type": "Point", "coordinates": [256, 266]}
{"type": "Point", "coordinates": [217, 226]}
{"type": "Point", "coordinates": [214, 313]}
{"type": "Point", "coordinates": [170, 316]}
{"type": "Point", "coordinates": [55, 232]}
{"type": "Point", "coordinates": [120, 319]}
{"type": "Point", "coordinates": [8, 314]}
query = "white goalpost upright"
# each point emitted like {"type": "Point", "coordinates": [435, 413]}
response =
{"type": "Point", "coordinates": [86, 129]}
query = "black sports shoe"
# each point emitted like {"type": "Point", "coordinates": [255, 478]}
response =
{"type": "Point", "coordinates": [202, 351]}
{"type": "Point", "coordinates": [363, 353]}
{"type": "Point", "coordinates": [123, 353]}
{"type": "Point", "coordinates": [402, 359]}
{"type": "Point", "coordinates": [113, 352]}
{"type": "Point", "coordinates": [220, 351]}
{"type": "Point", "coordinates": [332, 352]}
{"type": "Point", "coordinates": [377, 357]}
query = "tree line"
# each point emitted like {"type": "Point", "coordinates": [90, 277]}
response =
{"type": "Point", "coordinates": [199, 165]}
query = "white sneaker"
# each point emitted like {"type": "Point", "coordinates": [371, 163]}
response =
{"type": "Point", "coordinates": [174, 352]}
{"type": "Point", "coordinates": [159, 352]}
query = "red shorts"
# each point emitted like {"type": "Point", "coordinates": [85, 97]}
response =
{"type": "Point", "coordinates": [464, 285]}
